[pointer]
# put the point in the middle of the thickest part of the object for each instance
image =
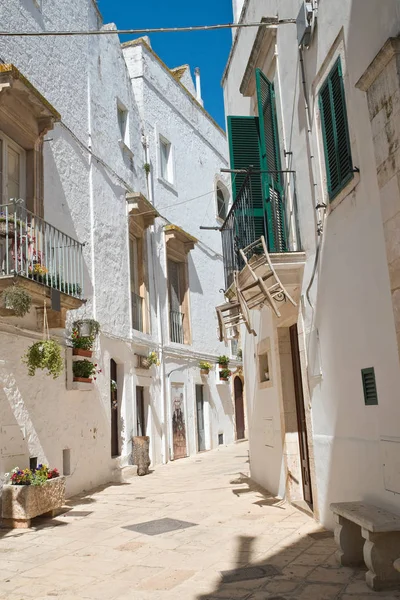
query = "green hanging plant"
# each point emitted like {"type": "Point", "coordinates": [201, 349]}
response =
{"type": "Point", "coordinates": [17, 299]}
{"type": "Point", "coordinates": [45, 354]}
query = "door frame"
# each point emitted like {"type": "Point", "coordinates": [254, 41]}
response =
{"type": "Point", "coordinates": [200, 385]}
{"type": "Point", "coordinates": [301, 416]}
{"type": "Point", "coordinates": [242, 408]}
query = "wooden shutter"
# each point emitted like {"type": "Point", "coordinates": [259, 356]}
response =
{"type": "Point", "coordinates": [335, 132]}
{"type": "Point", "coordinates": [369, 386]}
{"type": "Point", "coordinates": [245, 151]}
{"type": "Point", "coordinates": [270, 161]}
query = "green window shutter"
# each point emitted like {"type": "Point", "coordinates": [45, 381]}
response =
{"type": "Point", "coordinates": [335, 132]}
{"type": "Point", "coordinates": [271, 161]}
{"type": "Point", "coordinates": [369, 386]}
{"type": "Point", "coordinates": [245, 151]}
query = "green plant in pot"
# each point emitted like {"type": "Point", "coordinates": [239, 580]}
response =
{"type": "Point", "coordinates": [224, 374]}
{"type": "Point", "coordinates": [17, 299]}
{"type": "Point", "coordinates": [84, 370]}
{"type": "Point", "coordinates": [205, 367]}
{"type": "Point", "coordinates": [152, 359]}
{"type": "Point", "coordinates": [83, 334]}
{"type": "Point", "coordinates": [223, 361]}
{"type": "Point", "coordinates": [45, 355]}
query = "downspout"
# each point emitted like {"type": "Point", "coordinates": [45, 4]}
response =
{"type": "Point", "coordinates": [319, 219]}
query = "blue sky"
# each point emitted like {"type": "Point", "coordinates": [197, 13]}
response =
{"type": "Point", "coordinates": [208, 50]}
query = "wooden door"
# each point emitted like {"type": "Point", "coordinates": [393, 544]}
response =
{"type": "Point", "coordinates": [201, 442]}
{"type": "Point", "coordinates": [114, 409]}
{"type": "Point", "coordinates": [178, 421]}
{"type": "Point", "coordinates": [239, 409]}
{"type": "Point", "coordinates": [301, 415]}
{"type": "Point", "coordinates": [140, 411]}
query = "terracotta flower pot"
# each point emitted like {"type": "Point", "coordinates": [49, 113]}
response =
{"type": "Point", "coordinates": [204, 371]}
{"type": "Point", "coordinates": [83, 379]}
{"type": "Point", "coordinates": [81, 352]}
{"type": "Point", "coordinates": [224, 379]}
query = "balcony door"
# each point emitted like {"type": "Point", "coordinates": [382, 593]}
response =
{"type": "Point", "coordinates": [114, 409]}
{"type": "Point", "coordinates": [175, 301]}
{"type": "Point", "coordinates": [12, 170]}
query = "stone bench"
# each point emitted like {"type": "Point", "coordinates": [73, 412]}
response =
{"type": "Point", "coordinates": [368, 534]}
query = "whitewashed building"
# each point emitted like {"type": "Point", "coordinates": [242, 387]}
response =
{"type": "Point", "coordinates": [91, 147]}
{"type": "Point", "coordinates": [312, 105]}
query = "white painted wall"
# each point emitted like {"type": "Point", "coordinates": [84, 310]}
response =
{"type": "Point", "coordinates": [86, 177]}
{"type": "Point", "coordinates": [353, 314]}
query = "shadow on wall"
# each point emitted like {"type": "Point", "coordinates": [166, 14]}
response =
{"type": "Point", "coordinates": [227, 402]}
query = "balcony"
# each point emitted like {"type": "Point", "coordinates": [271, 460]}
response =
{"type": "Point", "coordinates": [263, 260]}
{"type": "Point", "coordinates": [176, 327]}
{"type": "Point", "coordinates": [41, 259]}
{"type": "Point", "coordinates": [137, 312]}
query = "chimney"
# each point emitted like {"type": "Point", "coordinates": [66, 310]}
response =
{"type": "Point", "coordinates": [198, 86]}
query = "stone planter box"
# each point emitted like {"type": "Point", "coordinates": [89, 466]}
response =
{"type": "Point", "coordinates": [141, 456]}
{"type": "Point", "coordinates": [21, 503]}
{"type": "Point", "coordinates": [83, 379]}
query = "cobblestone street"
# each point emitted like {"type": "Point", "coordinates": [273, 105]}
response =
{"type": "Point", "coordinates": [195, 530]}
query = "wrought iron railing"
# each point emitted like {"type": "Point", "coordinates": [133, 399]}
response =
{"type": "Point", "coordinates": [261, 207]}
{"type": "Point", "coordinates": [137, 312]}
{"type": "Point", "coordinates": [32, 248]}
{"type": "Point", "coordinates": [176, 327]}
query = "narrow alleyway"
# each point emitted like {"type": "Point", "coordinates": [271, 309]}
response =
{"type": "Point", "coordinates": [192, 530]}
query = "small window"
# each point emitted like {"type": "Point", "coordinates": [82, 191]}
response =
{"type": "Point", "coordinates": [335, 132]}
{"type": "Point", "coordinates": [166, 160]}
{"type": "Point", "coordinates": [220, 439]}
{"type": "Point", "coordinates": [264, 368]}
{"type": "Point", "coordinates": [33, 463]}
{"type": "Point", "coordinates": [67, 462]}
{"type": "Point", "coordinates": [222, 203]}
{"type": "Point", "coordinates": [123, 123]}
{"type": "Point", "coordinates": [369, 386]}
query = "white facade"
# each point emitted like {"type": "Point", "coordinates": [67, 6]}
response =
{"type": "Point", "coordinates": [90, 165]}
{"type": "Point", "coordinates": [350, 320]}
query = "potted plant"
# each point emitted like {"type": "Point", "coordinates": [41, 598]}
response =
{"type": "Point", "coordinates": [224, 374]}
{"type": "Point", "coordinates": [205, 367]}
{"type": "Point", "coordinates": [152, 359]}
{"type": "Point", "coordinates": [87, 327]}
{"type": "Point", "coordinates": [16, 299]}
{"type": "Point", "coordinates": [29, 493]}
{"type": "Point", "coordinates": [84, 370]}
{"type": "Point", "coordinates": [81, 346]}
{"type": "Point", "coordinates": [45, 354]}
{"type": "Point", "coordinates": [8, 223]}
{"type": "Point", "coordinates": [223, 361]}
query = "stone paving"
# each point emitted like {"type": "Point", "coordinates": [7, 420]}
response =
{"type": "Point", "coordinates": [196, 529]}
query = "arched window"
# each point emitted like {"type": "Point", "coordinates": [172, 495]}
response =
{"type": "Point", "coordinates": [222, 201]}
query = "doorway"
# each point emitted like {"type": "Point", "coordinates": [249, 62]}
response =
{"type": "Point", "coordinates": [114, 409]}
{"type": "Point", "coordinates": [178, 421]}
{"type": "Point", "coordinates": [140, 411]}
{"type": "Point", "coordinates": [301, 415]}
{"type": "Point", "coordinates": [239, 409]}
{"type": "Point", "coordinates": [201, 442]}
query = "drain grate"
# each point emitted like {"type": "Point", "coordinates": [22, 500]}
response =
{"type": "Point", "coordinates": [248, 573]}
{"type": "Point", "coordinates": [78, 513]}
{"type": "Point", "coordinates": [159, 526]}
{"type": "Point", "coordinates": [321, 535]}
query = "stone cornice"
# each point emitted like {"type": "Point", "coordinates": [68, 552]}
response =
{"type": "Point", "coordinates": [384, 56]}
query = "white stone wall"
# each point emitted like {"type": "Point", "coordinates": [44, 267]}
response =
{"type": "Point", "coordinates": [199, 152]}
{"type": "Point", "coordinates": [86, 177]}
{"type": "Point", "coordinates": [353, 315]}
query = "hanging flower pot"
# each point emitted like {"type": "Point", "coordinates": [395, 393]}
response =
{"type": "Point", "coordinates": [45, 355]}
{"type": "Point", "coordinates": [87, 328]}
{"type": "Point", "coordinates": [16, 299]}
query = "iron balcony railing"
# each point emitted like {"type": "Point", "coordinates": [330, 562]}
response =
{"type": "Point", "coordinates": [176, 326]}
{"type": "Point", "coordinates": [137, 312]}
{"type": "Point", "coordinates": [32, 248]}
{"type": "Point", "coordinates": [262, 207]}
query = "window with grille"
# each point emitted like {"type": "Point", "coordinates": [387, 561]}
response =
{"type": "Point", "coordinates": [335, 132]}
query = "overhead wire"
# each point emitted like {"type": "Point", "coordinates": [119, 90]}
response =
{"type": "Point", "coordinates": [273, 22]}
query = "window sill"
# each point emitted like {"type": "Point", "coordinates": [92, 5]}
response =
{"type": "Point", "coordinates": [346, 191]}
{"type": "Point", "coordinates": [125, 148]}
{"type": "Point", "coordinates": [168, 185]}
